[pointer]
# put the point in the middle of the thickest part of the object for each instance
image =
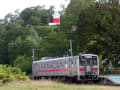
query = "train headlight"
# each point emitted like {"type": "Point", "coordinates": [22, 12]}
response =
{"type": "Point", "coordinates": [95, 72]}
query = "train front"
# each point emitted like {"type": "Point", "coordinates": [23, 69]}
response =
{"type": "Point", "coordinates": [88, 66]}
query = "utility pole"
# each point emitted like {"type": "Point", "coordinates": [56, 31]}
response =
{"type": "Point", "coordinates": [70, 47]}
{"type": "Point", "coordinates": [33, 52]}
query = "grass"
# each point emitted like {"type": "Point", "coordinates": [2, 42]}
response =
{"type": "Point", "coordinates": [51, 85]}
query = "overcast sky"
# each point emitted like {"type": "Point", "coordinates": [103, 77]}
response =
{"type": "Point", "coordinates": [9, 6]}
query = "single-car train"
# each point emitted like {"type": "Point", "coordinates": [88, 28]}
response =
{"type": "Point", "coordinates": [83, 66]}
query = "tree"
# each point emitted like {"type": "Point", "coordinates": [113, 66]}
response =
{"type": "Point", "coordinates": [99, 31]}
{"type": "Point", "coordinates": [37, 15]}
{"type": "Point", "coordinates": [94, 27]}
{"type": "Point", "coordinates": [55, 44]}
{"type": "Point", "coordinates": [24, 63]}
{"type": "Point", "coordinates": [21, 32]}
{"type": "Point", "coordinates": [70, 18]}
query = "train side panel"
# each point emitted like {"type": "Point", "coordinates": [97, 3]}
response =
{"type": "Point", "coordinates": [85, 66]}
{"type": "Point", "coordinates": [74, 66]}
{"type": "Point", "coordinates": [59, 67]}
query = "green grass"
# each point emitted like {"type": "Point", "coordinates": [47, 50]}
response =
{"type": "Point", "coordinates": [50, 85]}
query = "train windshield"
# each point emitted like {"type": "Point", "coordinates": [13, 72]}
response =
{"type": "Point", "coordinates": [82, 61]}
{"type": "Point", "coordinates": [94, 60]}
{"type": "Point", "coordinates": [88, 61]}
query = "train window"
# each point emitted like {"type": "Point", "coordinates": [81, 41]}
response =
{"type": "Point", "coordinates": [88, 61]}
{"type": "Point", "coordinates": [71, 62]}
{"type": "Point", "coordinates": [82, 62]}
{"type": "Point", "coordinates": [66, 65]}
{"type": "Point", "coordinates": [94, 60]}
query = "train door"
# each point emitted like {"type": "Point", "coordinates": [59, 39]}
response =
{"type": "Point", "coordinates": [88, 66]}
{"type": "Point", "coordinates": [73, 66]}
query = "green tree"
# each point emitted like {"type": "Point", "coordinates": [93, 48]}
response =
{"type": "Point", "coordinates": [24, 63]}
{"type": "Point", "coordinates": [70, 19]}
{"type": "Point", "coordinates": [94, 27]}
{"type": "Point", "coordinates": [55, 44]}
{"type": "Point", "coordinates": [37, 15]}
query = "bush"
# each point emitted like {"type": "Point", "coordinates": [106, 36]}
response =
{"type": "Point", "coordinates": [8, 74]}
{"type": "Point", "coordinates": [24, 63]}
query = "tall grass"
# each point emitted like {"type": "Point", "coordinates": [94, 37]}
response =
{"type": "Point", "coordinates": [51, 85]}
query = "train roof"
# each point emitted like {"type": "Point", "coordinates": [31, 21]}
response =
{"type": "Point", "coordinates": [89, 54]}
{"type": "Point", "coordinates": [52, 59]}
{"type": "Point", "coordinates": [44, 59]}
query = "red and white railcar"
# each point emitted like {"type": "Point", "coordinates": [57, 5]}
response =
{"type": "Point", "coordinates": [84, 66]}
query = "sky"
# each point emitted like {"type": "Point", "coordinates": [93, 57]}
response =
{"type": "Point", "coordinates": [9, 6]}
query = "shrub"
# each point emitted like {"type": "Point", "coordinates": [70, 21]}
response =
{"type": "Point", "coordinates": [24, 63]}
{"type": "Point", "coordinates": [8, 73]}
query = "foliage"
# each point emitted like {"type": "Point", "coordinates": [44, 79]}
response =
{"type": "Point", "coordinates": [8, 73]}
{"type": "Point", "coordinates": [37, 15]}
{"type": "Point", "coordinates": [94, 27]}
{"type": "Point", "coordinates": [18, 34]}
{"type": "Point", "coordinates": [24, 63]}
{"type": "Point", "coordinates": [55, 44]}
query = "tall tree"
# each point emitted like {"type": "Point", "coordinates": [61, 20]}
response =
{"type": "Point", "coordinates": [70, 18]}
{"type": "Point", "coordinates": [37, 15]}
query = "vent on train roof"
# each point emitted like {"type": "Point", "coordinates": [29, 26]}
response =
{"type": "Point", "coordinates": [44, 58]}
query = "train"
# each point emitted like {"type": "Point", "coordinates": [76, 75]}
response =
{"type": "Point", "coordinates": [80, 67]}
